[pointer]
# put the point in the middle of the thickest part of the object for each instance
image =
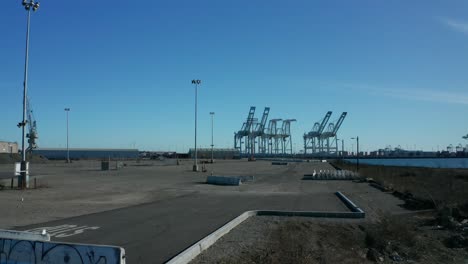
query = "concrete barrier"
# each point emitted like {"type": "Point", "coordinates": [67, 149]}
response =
{"type": "Point", "coordinates": [245, 178]}
{"type": "Point", "coordinates": [331, 175]}
{"type": "Point", "coordinates": [22, 235]}
{"type": "Point", "coordinates": [193, 251]}
{"type": "Point", "coordinates": [223, 180]}
{"type": "Point", "coordinates": [279, 163]}
{"type": "Point", "coordinates": [26, 251]}
{"type": "Point", "coordinates": [351, 206]}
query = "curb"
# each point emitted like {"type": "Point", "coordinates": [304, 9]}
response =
{"type": "Point", "coordinates": [198, 247]}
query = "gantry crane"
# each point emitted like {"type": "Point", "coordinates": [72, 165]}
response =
{"type": "Point", "coordinates": [330, 133]}
{"type": "Point", "coordinates": [259, 132]}
{"type": "Point", "coordinates": [286, 138]}
{"type": "Point", "coordinates": [32, 128]}
{"type": "Point", "coordinates": [312, 139]}
{"type": "Point", "coordinates": [245, 131]}
{"type": "Point", "coordinates": [272, 138]}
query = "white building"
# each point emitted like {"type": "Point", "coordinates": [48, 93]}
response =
{"type": "Point", "coordinates": [8, 147]}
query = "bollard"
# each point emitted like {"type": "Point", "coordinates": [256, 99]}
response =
{"type": "Point", "coordinates": [12, 180]}
{"type": "Point", "coordinates": [35, 183]}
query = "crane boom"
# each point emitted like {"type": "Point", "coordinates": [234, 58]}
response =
{"type": "Point", "coordinates": [261, 126]}
{"type": "Point", "coordinates": [339, 122]}
{"type": "Point", "coordinates": [250, 119]}
{"type": "Point", "coordinates": [324, 122]}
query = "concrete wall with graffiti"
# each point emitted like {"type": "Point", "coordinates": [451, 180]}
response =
{"type": "Point", "coordinates": [41, 252]}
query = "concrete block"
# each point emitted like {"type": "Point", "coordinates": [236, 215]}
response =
{"type": "Point", "coordinates": [279, 163]}
{"type": "Point", "coordinates": [245, 178]}
{"type": "Point", "coordinates": [22, 235]}
{"type": "Point", "coordinates": [222, 180]}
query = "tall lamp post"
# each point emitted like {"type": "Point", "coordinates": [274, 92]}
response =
{"type": "Point", "coordinates": [212, 117]}
{"type": "Point", "coordinates": [68, 150]}
{"type": "Point", "coordinates": [342, 147]}
{"type": "Point", "coordinates": [357, 156]}
{"type": "Point", "coordinates": [196, 82]}
{"type": "Point", "coordinates": [23, 182]}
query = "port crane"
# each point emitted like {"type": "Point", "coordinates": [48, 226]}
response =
{"type": "Point", "coordinates": [32, 129]}
{"type": "Point", "coordinates": [330, 133]}
{"type": "Point", "coordinates": [285, 134]}
{"type": "Point", "coordinates": [312, 138]}
{"type": "Point", "coordinates": [244, 132]}
{"type": "Point", "coordinates": [259, 132]}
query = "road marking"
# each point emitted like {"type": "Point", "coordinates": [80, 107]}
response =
{"type": "Point", "coordinates": [63, 230]}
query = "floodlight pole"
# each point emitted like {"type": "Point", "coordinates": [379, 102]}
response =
{"type": "Point", "coordinates": [22, 182]}
{"type": "Point", "coordinates": [357, 154]}
{"type": "Point", "coordinates": [196, 82]}
{"type": "Point", "coordinates": [212, 145]}
{"type": "Point", "coordinates": [68, 149]}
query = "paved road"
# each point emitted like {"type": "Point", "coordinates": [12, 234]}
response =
{"type": "Point", "coordinates": [155, 232]}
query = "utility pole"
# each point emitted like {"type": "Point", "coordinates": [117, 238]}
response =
{"type": "Point", "coordinates": [212, 145]}
{"type": "Point", "coordinates": [196, 82]}
{"type": "Point", "coordinates": [68, 150]}
{"type": "Point", "coordinates": [23, 181]}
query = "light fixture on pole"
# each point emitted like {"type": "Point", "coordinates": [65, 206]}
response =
{"type": "Point", "coordinates": [212, 145]}
{"type": "Point", "coordinates": [357, 154]}
{"type": "Point", "coordinates": [196, 82]}
{"type": "Point", "coordinates": [68, 150]}
{"type": "Point", "coordinates": [23, 181]}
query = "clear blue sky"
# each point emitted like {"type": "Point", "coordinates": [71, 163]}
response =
{"type": "Point", "coordinates": [399, 68]}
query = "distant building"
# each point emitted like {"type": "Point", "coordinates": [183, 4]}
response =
{"type": "Point", "coordinates": [78, 153]}
{"type": "Point", "coordinates": [205, 153]}
{"type": "Point", "coordinates": [8, 147]}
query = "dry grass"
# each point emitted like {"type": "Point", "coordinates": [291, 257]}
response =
{"type": "Point", "coordinates": [393, 234]}
{"type": "Point", "coordinates": [444, 187]}
{"type": "Point", "coordinates": [304, 242]}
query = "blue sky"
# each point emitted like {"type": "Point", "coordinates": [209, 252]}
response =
{"type": "Point", "coordinates": [399, 68]}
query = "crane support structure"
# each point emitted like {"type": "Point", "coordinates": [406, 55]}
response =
{"type": "Point", "coordinates": [286, 139]}
{"type": "Point", "coordinates": [32, 128]}
{"type": "Point", "coordinates": [258, 133]}
{"type": "Point", "coordinates": [272, 138]}
{"type": "Point", "coordinates": [331, 133]}
{"type": "Point", "coordinates": [312, 138]}
{"type": "Point", "coordinates": [244, 132]}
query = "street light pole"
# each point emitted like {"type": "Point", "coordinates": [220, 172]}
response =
{"type": "Point", "coordinates": [212, 116]}
{"type": "Point", "coordinates": [196, 82]}
{"type": "Point", "coordinates": [23, 182]}
{"type": "Point", "coordinates": [357, 155]}
{"type": "Point", "coordinates": [342, 147]}
{"type": "Point", "coordinates": [68, 150]}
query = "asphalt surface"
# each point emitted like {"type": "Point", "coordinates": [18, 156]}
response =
{"type": "Point", "coordinates": [155, 232]}
{"type": "Point", "coordinates": [155, 210]}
